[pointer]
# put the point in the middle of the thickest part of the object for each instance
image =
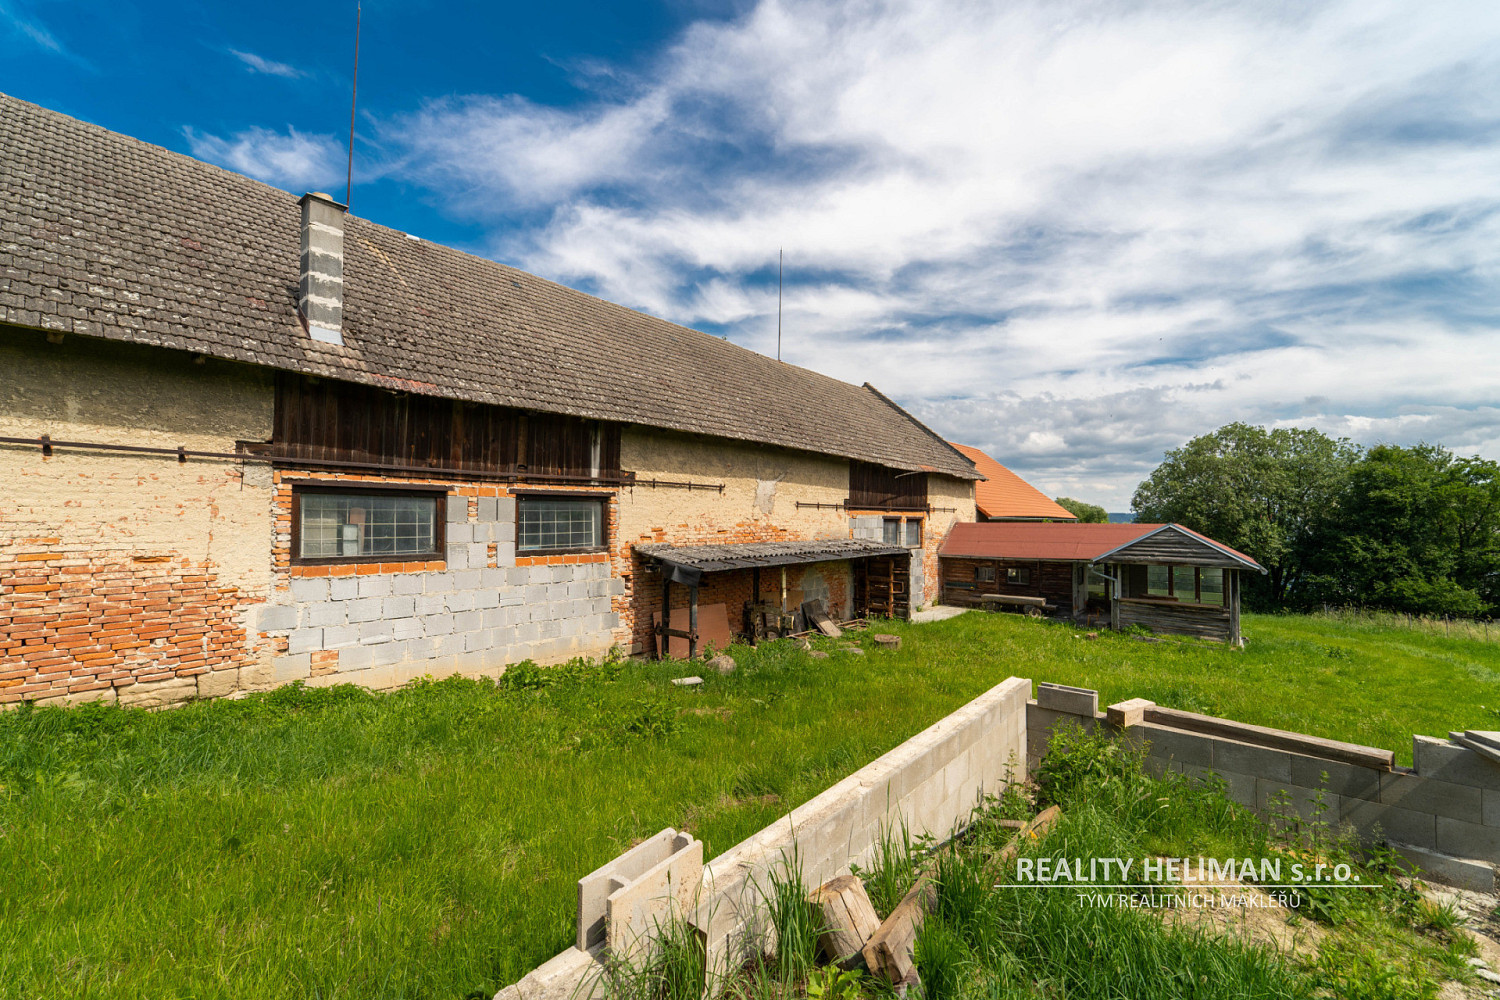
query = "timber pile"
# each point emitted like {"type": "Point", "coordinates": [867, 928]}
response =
{"type": "Point", "coordinates": [889, 949]}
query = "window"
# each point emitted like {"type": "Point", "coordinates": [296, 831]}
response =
{"type": "Point", "coordinates": [1018, 575]}
{"type": "Point", "coordinates": [913, 533]}
{"type": "Point", "coordinates": [892, 532]}
{"type": "Point", "coordinates": [353, 525]}
{"type": "Point", "coordinates": [1211, 585]}
{"type": "Point", "coordinates": [552, 525]}
{"type": "Point", "coordinates": [1185, 583]}
{"type": "Point", "coordinates": [1098, 586]}
{"type": "Point", "coordinates": [984, 574]}
{"type": "Point", "coordinates": [1158, 581]}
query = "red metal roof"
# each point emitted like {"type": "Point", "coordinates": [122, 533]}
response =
{"type": "Point", "coordinates": [1056, 542]}
{"type": "Point", "coordinates": [1005, 494]}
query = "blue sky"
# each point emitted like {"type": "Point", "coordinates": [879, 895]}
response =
{"type": "Point", "coordinates": [1074, 234]}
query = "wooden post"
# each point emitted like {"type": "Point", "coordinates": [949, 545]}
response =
{"type": "Point", "coordinates": [666, 612]}
{"type": "Point", "coordinates": [1112, 591]}
{"type": "Point", "coordinates": [1234, 606]}
{"type": "Point", "coordinates": [751, 623]}
{"type": "Point", "coordinates": [692, 623]}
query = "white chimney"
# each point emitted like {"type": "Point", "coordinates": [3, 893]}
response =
{"type": "Point", "coordinates": [320, 290]}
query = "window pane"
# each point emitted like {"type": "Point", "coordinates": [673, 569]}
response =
{"type": "Point", "coordinates": [893, 531]}
{"type": "Point", "coordinates": [560, 524]}
{"type": "Point", "coordinates": [1018, 575]}
{"type": "Point", "coordinates": [1156, 581]}
{"type": "Point", "coordinates": [1212, 582]}
{"type": "Point", "coordinates": [344, 525]}
{"type": "Point", "coordinates": [1182, 583]}
{"type": "Point", "coordinates": [913, 532]}
{"type": "Point", "coordinates": [1097, 585]}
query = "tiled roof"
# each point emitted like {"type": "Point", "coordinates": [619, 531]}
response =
{"type": "Point", "coordinates": [104, 235]}
{"type": "Point", "coordinates": [1005, 494]}
{"type": "Point", "coordinates": [1059, 542]}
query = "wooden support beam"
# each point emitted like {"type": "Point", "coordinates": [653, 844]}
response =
{"type": "Point", "coordinates": [692, 623]}
{"type": "Point", "coordinates": [666, 611]}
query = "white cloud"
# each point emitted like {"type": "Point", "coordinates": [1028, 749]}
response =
{"type": "Point", "coordinates": [1075, 234]}
{"type": "Point", "coordinates": [260, 64]}
{"type": "Point", "coordinates": [294, 160]}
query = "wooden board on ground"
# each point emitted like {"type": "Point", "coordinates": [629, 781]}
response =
{"type": "Point", "coordinates": [891, 950]}
{"type": "Point", "coordinates": [848, 916]}
{"type": "Point", "coordinates": [1033, 829]}
{"type": "Point", "coordinates": [818, 618]}
{"type": "Point", "coordinates": [713, 627]}
{"type": "Point", "coordinates": [1276, 739]}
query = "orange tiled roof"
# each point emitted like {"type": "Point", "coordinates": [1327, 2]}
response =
{"type": "Point", "coordinates": [1005, 494]}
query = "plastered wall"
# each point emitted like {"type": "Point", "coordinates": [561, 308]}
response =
{"type": "Point", "coordinates": [127, 576]}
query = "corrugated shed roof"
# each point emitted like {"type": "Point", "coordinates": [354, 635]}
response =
{"type": "Point", "coordinates": [1058, 542]}
{"type": "Point", "coordinates": [1005, 494]}
{"type": "Point", "coordinates": [744, 555]}
{"type": "Point", "coordinates": [112, 237]}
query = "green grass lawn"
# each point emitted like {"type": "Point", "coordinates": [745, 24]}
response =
{"type": "Point", "coordinates": [426, 843]}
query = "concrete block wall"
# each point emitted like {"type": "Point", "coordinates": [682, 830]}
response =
{"type": "Point", "coordinates": [476, 612]}
{"type": "Point", "coordinates": [1443, 813]}
{"type": "Point", "coordinates": [931, 783]}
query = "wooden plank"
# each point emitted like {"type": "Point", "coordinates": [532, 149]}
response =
{"type": "Point", "coordinates": [818, 618]}
{"type": "Point", "coordinates": [849, 918]}
{"type": "Point", "coordinates": [1275, 739]}
{"type": "Point", "coordinates": [1034, 829]}
{"type": "Point", "coordinates": [891, 949]}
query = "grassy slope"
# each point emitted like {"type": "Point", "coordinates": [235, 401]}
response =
{"type": "Point", "coordinates": [426, 844]}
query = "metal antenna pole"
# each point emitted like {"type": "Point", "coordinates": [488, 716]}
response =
{"type": "Point", "coordinates": [353, 100]}
{"type": "Point", "coordinates": [780, 256]}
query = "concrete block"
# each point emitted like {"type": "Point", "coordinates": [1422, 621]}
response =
{"type": "Point", "coordinates": [1125, 714]}
{"type": "Point", "coordinates": [308, 589]}
{"type": "Point", "coordinates": [1342, 779]}
{"type": "Point", "coordinates": [439, 624]}
{"type": "Point", "coordinates": [469, 579]}
{"type": "Point", "coordinates": [1441, 798]}
{"type": "Point", "coordinates": [505, 509]}
{"type": "Point", "coordinates": [356, 658]}
{"type": "Point", "coordinates": [1064, 698]}
{"type": "Point", "coordinates": [1467, 840]}
{"type": "Point", "coordinates": [449, 645]}
{"type": "Point", "coordinates": [492, 579]}
{"type": "Point", "coordinates": [1434, 758]}
{"type": "Point", "coordinates": [292, 667]}
{"type": "Point", "coordinates": [479, 555]}
{"type": "Point", "coordinates": [495, 618]}
{"type": "Point", "coordinates": [595, 888]}
{"type": "Point", "coordinates": [1461, 873]}
{"type": "Point", "coordinates": [1308, 804]}
{"type": "Point", "coordinates": [477, 641]}
{"type": "Point", "coordinates": [1273, 765]}
{"type": "Point", "coordinates": [388, 653]}
{"type": "Point", "coordinates": [1038, 717]}
{"type": "Point", "coordinates": [1239, 788]}
{"type": "Point", "coordinates": [364, 609]}
{"type": "Point", "coordinates": [327, 613]}
{"type": "Point", "coordinates": [489, 509]}
{"type": "Point", "coordinates": [458, 556]}
{"type": "Point", "coordinates": [518, 576]}
{"type": "Point", "coordinates": [378, 585]}
{"type": "Point", "coordinates": [343, 588]}
{"type": "Point", "coordinates": [616, 587]}
{"type": "Point", "coordinates": [1416, 828]}
{"type": "Point", "coordinates": [398, 607]}
{"type": "Point", "coordinates": [432, 604]}
{"type": "Point", "coordinates": [505, 532]}
{"type": "Point", "coordinates": [375, 632]}
{"type": "Point", "coordinates": [459, 600]}
{"type": "Point", "coordinates": [468, 621]}
{"type": "Point", "coordinates": [459, 534]}
{"type": "Point", "coordinates": [278, 617]}
{"type": "Point", "coordinates": [1185, 748]}
{"type": "Point", "coordinates": [407, 584]}
{"type": "Point", "coordinates": [458, 509]}
{"type": "Point", "coordinates": [339, 636]}
{"type": "Point", "coordinates": [406, 628]}
{"type": "Point", "coordinates": [485, 599]}
{"type": "Point", "coordinates": [438, 583]}
{"type": "Point", "coordinates": [536, 593]}
{"type": "Point", "coordinates": [305, 640]}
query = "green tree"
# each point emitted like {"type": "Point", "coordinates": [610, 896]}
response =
{"type": "Point", "coordinates": [1419, 533]}
{"type": "Point", "coordinates": [1086, 513]}
{"type": "Point", "coordinates": [1272, 494]}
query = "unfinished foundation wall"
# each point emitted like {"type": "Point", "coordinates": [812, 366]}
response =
{"type": "Point", "coordinates": [931, 783]}
{"type": "Point", "coordinates": [128, 576]}
{"type": "Point", "coordinates": [1443, 814]}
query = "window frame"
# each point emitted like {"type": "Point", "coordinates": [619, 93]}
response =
{"type": "Point", "coordinates": [980, 571]}
{"type": "Point", "coordinates": [438, 494]}
{"type": "Point", "coordinates": [1017, 580]}
{"type": "Point", "coordinates": [601, 499]}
